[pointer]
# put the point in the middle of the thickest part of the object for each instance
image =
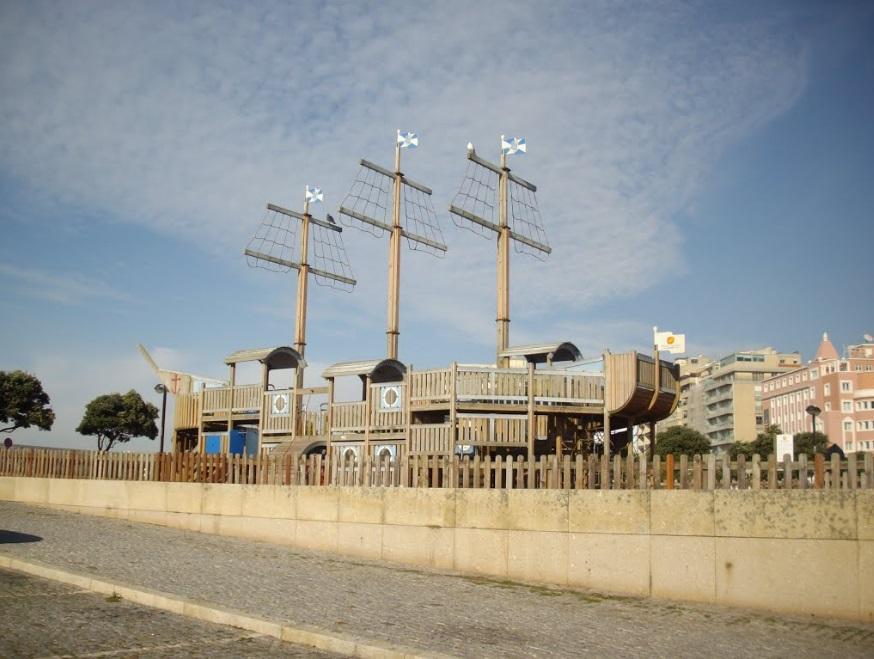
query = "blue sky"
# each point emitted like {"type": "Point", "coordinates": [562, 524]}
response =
{"type": "Point", "coordinates": [703, 167]}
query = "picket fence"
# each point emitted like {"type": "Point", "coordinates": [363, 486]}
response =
{"type": "Point", "coordinates": [707, 472]}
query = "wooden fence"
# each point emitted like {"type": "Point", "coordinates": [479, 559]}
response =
{"type": "Point", "coordinates": [707, 472]}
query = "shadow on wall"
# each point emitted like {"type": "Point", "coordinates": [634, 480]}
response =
{"type": "Point", "coordinates": [14, 537]}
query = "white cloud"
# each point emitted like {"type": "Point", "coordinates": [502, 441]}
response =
{"type": "Point", "coordinates": [190, 121]}
{"type": "Point", "coordinates": [66, 288]}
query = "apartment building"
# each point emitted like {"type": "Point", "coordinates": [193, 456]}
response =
{"type": "Point", "coordinates": [732, 394]}
{"type": "Point", "coordinates": [722, 399]}
{"type": "Point", "coordinates": [690, 408]}
{"type": "Point", "coordinates": [841, 387]}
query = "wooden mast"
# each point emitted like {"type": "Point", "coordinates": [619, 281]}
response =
{"type": "Point", "coordinates": [357, 204]}
{"type": "Point", "coordinates": [300, 324]}
{"type": "Point", "coordinates": [503, 270]}
{"type": "Point", "coordinates": [473, 199]}
{"type": "Point", "coordinates": [394, 263]}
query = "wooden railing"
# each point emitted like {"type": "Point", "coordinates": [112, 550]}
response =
{"type": "Point", "coordinates": [314, 423]}
{"type": "Point", "coordinates": [348, 416]}
{"type": "Point", "coordinates": [281, 421]}
{"type": "Point", "coordinates": [216, 399]}
{"type": "Point", "coordinates": [186, 413]}
{"type": "Point", "coordinates": [430, 386]}
{"type": "Point", "coordinates": [430, 439]}
{"type": "Point", "coordinates": [578, 472]}
{"type": "Point", "coordinates": [505, 386]}
{"type": "Point", "coordinates": [242, 398]}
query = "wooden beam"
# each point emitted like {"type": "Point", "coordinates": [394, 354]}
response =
{"type": "Point", "coordinates": [476, 219]}
{"type": "Point", "coordinates": [272, 259]}
{"type": "Point", "coordinates": [355, 215]}
{"type": "Point", "coordinates": [330, 275]}
{"type": "Point", "coordinates": [521, 181]}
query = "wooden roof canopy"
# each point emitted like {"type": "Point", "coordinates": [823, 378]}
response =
{"type": "Point", "coordinates": [379, 370]}
{"type": "Point", "coordinates": [272, 358]}
{"type": "Point", "coordinates": [539, 353]}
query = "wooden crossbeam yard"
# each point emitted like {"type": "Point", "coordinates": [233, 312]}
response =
{"type": "Point", "coordinates": [314, 220]}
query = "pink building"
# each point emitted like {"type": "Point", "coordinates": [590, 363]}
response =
{"type": "Point", "coordinates": [843, 388]}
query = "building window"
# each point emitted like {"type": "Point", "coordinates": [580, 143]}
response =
{"type": "Point", "coordinates": [850, 445]}
{"type": "Point", "coordinates": [812, 392]}
{"type": "Point", "coordinates": [828, 406]}
{"type": "Point", "coordinates": [846, 406]}
{"type": "Point", "coordinates": [848, 426]}
{"type": "Point", "coordinates": [814, 373]}
{"type": "Point", "coordinates": [846, 385]}
{"type": "Point", "coordinates": [827, 389]}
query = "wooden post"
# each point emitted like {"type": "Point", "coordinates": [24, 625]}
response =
{"type": "Point", "coordinates": [453, 408]}
{"type": "Point", "coordinates": [503, 260]}
{"type": "Point", "coordinates": [532, 422]}
{"type": "Point", "coordinates": [329, 416]}
{"type": "Point", "coordinates": [669, 471]}
{"type": "Point", "coordinates": [368, 399]}
{"type": "Point", "coordinates": [607, 397]}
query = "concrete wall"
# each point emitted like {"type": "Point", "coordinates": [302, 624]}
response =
{"type": "Point", "coordinates": [797, 551]}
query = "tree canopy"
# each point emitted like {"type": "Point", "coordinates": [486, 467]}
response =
{"type": "Point", "coordinates": [23, 403]}
{"type": "Point", "coordinates": [116, 418]}
{"type": "Point", "coordinates": [680, 440]}
{"type": "Point", "coordinates": [763, 445]}
{"type": "Point", "coordinates": [810, 443]}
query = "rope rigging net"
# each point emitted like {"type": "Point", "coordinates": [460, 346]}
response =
{"type": "Point", "coordinates": [276, 247]}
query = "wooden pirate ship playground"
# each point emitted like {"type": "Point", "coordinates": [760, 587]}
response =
{"type": "Point", "coordinates": [531, 402]}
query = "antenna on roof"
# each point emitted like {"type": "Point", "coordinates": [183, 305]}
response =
{"type": "Point", "coordinates": [366, 208]}
{"type": "Point", "coordinates": [485, 187]}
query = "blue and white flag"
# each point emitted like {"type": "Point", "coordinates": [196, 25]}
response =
{"type": "Point", "coordinates": [408, 139]}
{"type": "Point", "coordinates": [314, 195]}
{"type": "Point", "coordinates": [512, 145]}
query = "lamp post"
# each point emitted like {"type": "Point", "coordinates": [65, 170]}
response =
{"type": "Point", "coordinates": [814, 412]}
{"type": "Point", "coordinates": [161, 389]}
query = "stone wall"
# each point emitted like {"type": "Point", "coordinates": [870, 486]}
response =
{"type": "Point", "coordinates": [788, 551]}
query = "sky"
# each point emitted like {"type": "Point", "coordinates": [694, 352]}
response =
{"type": "Point", "coordinates": [705, 167]}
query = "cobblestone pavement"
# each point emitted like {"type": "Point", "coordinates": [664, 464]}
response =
{"type": "Point", "coordinates": [414, 608]}
{"type": "Point", "coordinates": [42, 618]}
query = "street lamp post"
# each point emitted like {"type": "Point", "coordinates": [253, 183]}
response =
{"type": "Point", "coordinates": [814, 412]}
{"type": "Point", "coordinates": [161, 389]}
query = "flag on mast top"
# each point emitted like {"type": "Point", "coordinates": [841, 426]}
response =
{"type": "Point", "coordinates": [408, 139]}
{"type": "Point", "coordinates": [314, 195]}
{"type": "Point", "coordinates": [668, 341]}
{"type": "Point", "coordinates": [513, 145]}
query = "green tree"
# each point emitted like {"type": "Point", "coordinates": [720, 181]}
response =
{"type": "Point", "coordinates": [762, 445]}
{"type": "Point", "coordinates": [115, 418]}
{"type": "Point", "coordinates": [23, 403]}
{"type": "Point", "coordinates": [679, 440]}
{"type": "Point", "coordinates": [809, 443]}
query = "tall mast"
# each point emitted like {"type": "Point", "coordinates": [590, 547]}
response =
{"type": "Point", "coordinates": [474, 208]}
{"type": "Point", "coordinates": [366, 206]}
{"type": "Point", "coordinates": [273, 247]}
{"type": "Point", "coordinates": [503, 260]}
{"type": "Point", "coordinates": [394, 263]}
{"type": "Point", "coordinates": [300, 312]}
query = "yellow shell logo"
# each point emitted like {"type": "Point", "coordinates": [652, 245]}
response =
{"type": "Point", "coordinates": [671, 340]}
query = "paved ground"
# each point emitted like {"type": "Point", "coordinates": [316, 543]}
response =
{"type": "Point", "coordinates": [413, 608]}
{"type": "Point", "coordinates": [42, 618]}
